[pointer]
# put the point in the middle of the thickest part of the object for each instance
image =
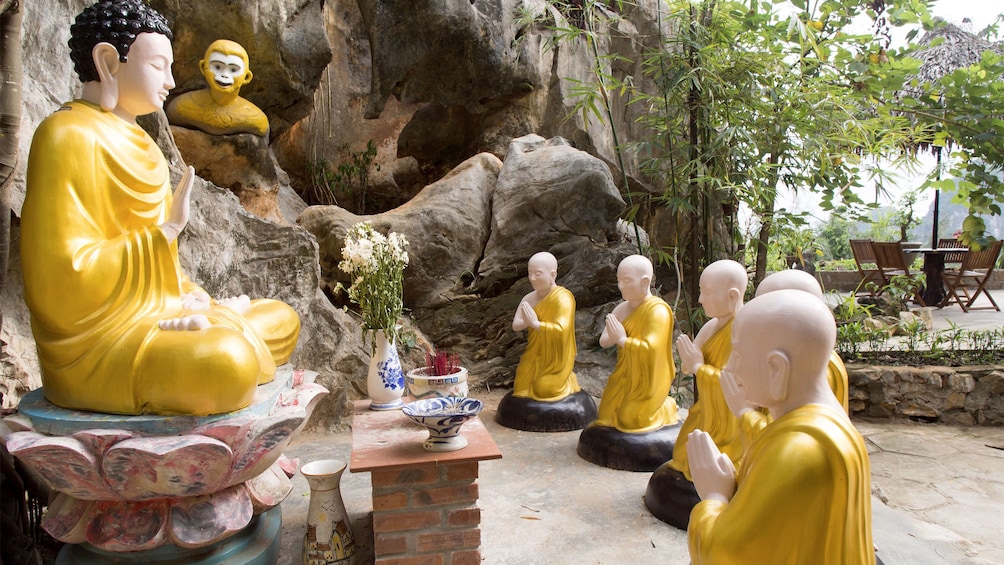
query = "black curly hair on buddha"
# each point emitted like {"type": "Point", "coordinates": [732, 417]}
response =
{"type": "Point", "coordinates": [117, 22]}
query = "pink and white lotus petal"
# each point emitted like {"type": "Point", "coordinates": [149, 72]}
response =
{"type": "Point", "coordinates": [128, 525]}
{"type": "Point", "coordinates": [268, 489]}
{"type": "Point", "coordinates": [67, 517]}
{"type": "Point", "coordinates": [64, 463]}
{"type": "Point", "coordinates": [154, 467]}
{"type": "Point", "coordinates": [198, 521]}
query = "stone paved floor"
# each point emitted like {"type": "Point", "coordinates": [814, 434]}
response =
{"type": "Point", "coordinates": [938, 497]}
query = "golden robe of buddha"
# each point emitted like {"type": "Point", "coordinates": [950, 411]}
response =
{"type": "Point", "coordinates": [636, 397]}
{"type": "Point", "coordinates": [805, 480]}
{"type": "Point", "coordinates": [545, 369]}
{"type": "Point", "coordinates": [100, 275]}
{"type": "Point", "coordinates": [711, 413]}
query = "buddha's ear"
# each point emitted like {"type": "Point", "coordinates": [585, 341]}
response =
{"type": "Point", "coordinates": [779, 371]}
{"type": "Point", "coordinates": [106, 61]}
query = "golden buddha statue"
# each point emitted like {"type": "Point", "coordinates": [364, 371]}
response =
{"type": "Point", "coordinates": [636, 396]}
{"type": "Point", "coordinates": [118, 326]}
{"type": "Point", "coordinates": [548, 313]}
{"type": "Point", "coordinates": [805, 477]}
{"type": "Point", "coordinates": [219, 109]}
{"type": "Point", "coordinates": [723, 285]}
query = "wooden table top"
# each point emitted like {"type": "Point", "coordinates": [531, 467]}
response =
{"type": "Point", "coordinates": [387, 439]}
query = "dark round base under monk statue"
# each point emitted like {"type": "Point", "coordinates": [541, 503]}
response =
{"type": "Point", "coordinates": [670, 496]}
{"type": "Point", "coordinates": [644, 451]}
{"type": "Point", "coordinates": [573, 412]}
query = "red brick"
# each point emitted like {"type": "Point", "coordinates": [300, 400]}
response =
{"type": "Point", "coordinates": [445, 541]}
{"type": "Point", "coordinates": [389, 544]}
{"type": "Point", "coordinates": [390, 501]}
{"type": "Point", "coordinates": [404, 521]}
{"type": "Point", "coordinates": [456, 494]}
{"type": "Point", "coordinates": [469, 557]}
{"type": "Point", "coordinates": [463, 517]}
{"type": "Point", "coordinates": [437, 559]}
{"type": "Point", "coordinates": [424, 474]}
{"type": "Point", "coordinates": [461, 471]}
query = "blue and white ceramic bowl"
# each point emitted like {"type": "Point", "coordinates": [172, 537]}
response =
{"type": "Point", "coordinates": [443, 417]}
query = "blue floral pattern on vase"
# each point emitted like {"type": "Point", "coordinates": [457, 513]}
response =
{"type": "Point", "coordinates": [385, 378]}
{"type": "Point", "coordinates": [391, 373]}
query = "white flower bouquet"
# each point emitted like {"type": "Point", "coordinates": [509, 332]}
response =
{"type": "Point", "coordinates": [375, 263]}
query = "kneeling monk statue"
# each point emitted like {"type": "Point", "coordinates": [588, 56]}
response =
{"type": "Point", "coordinates": [118, 326]}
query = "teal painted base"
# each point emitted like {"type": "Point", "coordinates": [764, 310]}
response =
{"type": "Point", "coordinates": [257, 544]}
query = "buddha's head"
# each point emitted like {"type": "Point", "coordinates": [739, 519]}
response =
{"type": "Point", "coordinates": [226, 67]}
{"type": "Point", "coordinates": [116, 22]}
{"type": "Point", "coordinates": [634, 277]}
{"type": "Point", "coordinates": [723, 285]}
{"type": "Point", "coordinates": [542, 270]}
{"type": "Point", "coordinates": [122, 53]}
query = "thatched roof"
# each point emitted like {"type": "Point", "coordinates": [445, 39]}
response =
{"type": "Point", "coordinates": [958, 49]}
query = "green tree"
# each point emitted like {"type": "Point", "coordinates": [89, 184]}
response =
{"type": "Point", "coordinates": [835, 236]}
{"type": "Point", "coordinates": [753, 102]}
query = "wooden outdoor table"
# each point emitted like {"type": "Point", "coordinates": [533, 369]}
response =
{"type": "Point", "coordinates": [934, 268]}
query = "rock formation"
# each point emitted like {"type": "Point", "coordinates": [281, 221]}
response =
{"type": "Point", "coordinates": [442, 132]}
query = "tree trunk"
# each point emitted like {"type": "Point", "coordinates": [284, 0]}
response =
{"type": "Point", "coordinates": [766, 214]}
{"type": "Point", "coordinates": [10, 118]}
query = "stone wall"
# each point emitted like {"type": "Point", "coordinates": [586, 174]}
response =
{"type": "Point", "coordinates": [971, 395]}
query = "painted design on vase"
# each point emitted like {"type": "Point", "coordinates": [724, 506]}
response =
{"type": "Point", "coordinates": [329, 539]}
{"type": "Point", "coordinates": [385, 379]}
{"type": "Point", "coordinates": [391, 373]}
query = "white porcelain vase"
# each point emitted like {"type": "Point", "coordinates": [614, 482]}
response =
{"type": "Point", "coordinates": [421, 383]}
{"type": "Point", "coordinates": [329, 538]}
{"type": "Point", "coordinates": [385, 380]}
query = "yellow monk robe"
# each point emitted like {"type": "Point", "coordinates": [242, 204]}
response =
{"type": "Point", "coordinates": [636, 397]}
{"type": "Point", "coordinates": [99, 275]}
{"type": "Point", "coordinates": [803, 495]}
{"type": "Point", "coordinates": [710, 413]}
{"type": "Point", "coordinates": [545, 369]}
{"type": "Point", "coordinates": [836, 376]}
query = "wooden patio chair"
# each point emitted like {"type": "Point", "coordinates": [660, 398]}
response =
{"type": "Point", "coordinates": [864, 258]}
{"type": "Point", "coordinates": [891, 262]}
{"type": "Point", "coordinates": [952, 260]}
{"type": "Point", "coordinates": [971, 279]}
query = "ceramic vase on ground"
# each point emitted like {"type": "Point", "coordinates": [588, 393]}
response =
{"type": "Point", "coordinates": [329, 537]}
{"type": "Point", "coordinates": [421, 383]}
{"type": "Point", "coordinates": [385, 380]}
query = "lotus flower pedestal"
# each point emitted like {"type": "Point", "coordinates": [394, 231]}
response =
{"type": "Point", "coordinates": [166, 489]}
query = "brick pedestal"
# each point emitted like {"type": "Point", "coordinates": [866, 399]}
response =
{"type": "Point", "coordinates": [425, 508]}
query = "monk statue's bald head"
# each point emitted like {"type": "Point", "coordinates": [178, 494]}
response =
{"type": "Point", "coordinates": [723, 286]}
{"type": "Point", "coordinates": [781, 344]}
{"type": "Point", "coordinates": [792, 279]}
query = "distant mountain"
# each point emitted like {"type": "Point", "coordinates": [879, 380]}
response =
{"type": "Point", "coordinates": [950, 218]}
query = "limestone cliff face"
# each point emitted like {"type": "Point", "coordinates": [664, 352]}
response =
{"type": "Point", "coordinates": [435, 87]}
